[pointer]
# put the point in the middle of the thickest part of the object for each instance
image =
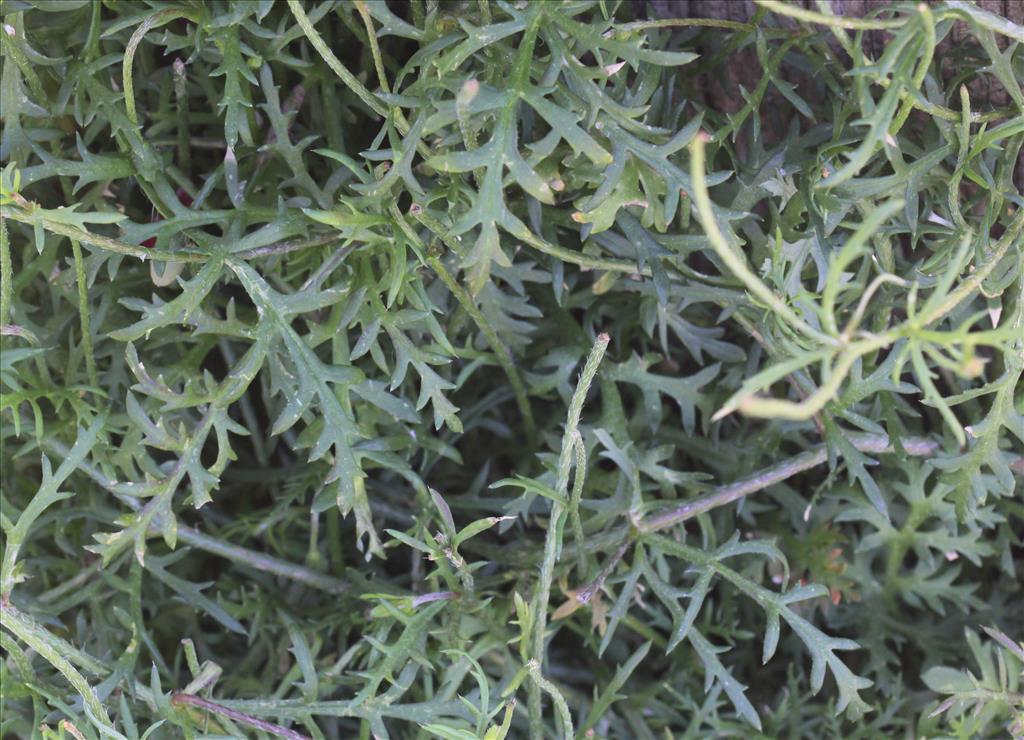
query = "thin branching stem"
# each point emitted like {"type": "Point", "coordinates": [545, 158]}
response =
{"type": "Point", "coordinates": [241, 555]}
{"type": "Point", "coordinates": [871, 443]}
{"type": "Point", "coordinates": [501, 351]}
{"type": "Point", "coordinates": [235, 716]}
{"type": "Point", "coordinates": [876, 444]}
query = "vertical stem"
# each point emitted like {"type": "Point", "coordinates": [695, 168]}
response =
{"type": "Point", "coordinates": [92, 44]}
{"type": "Point", "coordinates": [128, 62]}
{"type": "Point", "coordinates": [6, 275]}
{"type": "Point", "coordinates": [553, 543]}
{"type": "Point", "coordinates": [574, 502]}
{"type": "Point", "coordinates": [83, 314]}
{"type": "Point", "coordinates": [336, 554]}
{"type": "Point", "coordinates": [378, 59]}
{"type": "Point", "coordinates": [181, 101]}
{"type": "Point", "coordinates": [418, 14]}
{"type": "Point", "coordinates": [928, 26]}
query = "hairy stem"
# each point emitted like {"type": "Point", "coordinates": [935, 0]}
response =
{"type": "Point", "coordinates": [553, 542]}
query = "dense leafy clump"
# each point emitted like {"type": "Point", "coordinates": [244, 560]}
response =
{"type": "Point", "coordinates": [451, 369]}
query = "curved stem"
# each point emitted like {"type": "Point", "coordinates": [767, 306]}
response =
{"type": "Point", "coordinates": [156, 19]}
{"type": "Point", "coordinates": [733, 261]}
{"type": "Point", "coordinates": [333, 62]}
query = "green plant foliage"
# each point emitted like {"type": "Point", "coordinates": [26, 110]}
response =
{"type": "Point", "coordinates": [453, 369]}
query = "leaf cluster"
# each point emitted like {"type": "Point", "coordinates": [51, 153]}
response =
{"type": "Point", "coordinates": [453, 369]}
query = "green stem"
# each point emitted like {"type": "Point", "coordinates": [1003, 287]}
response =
{"type": "Point", "coordinates": [156, 19]}
{"type": "Point", "coordinates": [37, 637]}
{"type": "Point", "coordinates": [242, 556]}
{"type": "Point", "coordinates": [501, 351]}
{"type": "Point", "coordinates": [13, 52]}
{"type": "Point", "coordinates": [485, 11]}
{"type": "Point", "coordinates": [72, 584]}
{"type": "Point", "coordinates": [561, 707]}
{"type": "Point", "coordinates": [837, 24]}
{"type": "Point", "coordinates": [6, 274]}
{"type": "Point", "coordinates": [371, 35]}
{"type": "Point", "coordinates": [870, 443]}
{"type": "Point", "coordinates": [834, 21]}
{"type": "Point", "coordinates": [733, 261]}
{"type": "Point", "coordinates": [574, 501]}
{"type": "Point", "coordinates": [285, 247]}
{"type": "Point", "coordinates": [553, 542]}
{"type": "Point", "coordinates": [687, 23]}
{"type": "Point", "coordinates": [27, 216]}
{"type": "Point", "coordinates": [928, 22]}
{"type": "Point", "coordinates": [83, 314]}
{"type": "Point", "coordinates": [585, 261]}
{"type": "Point", "coordinates": [92, 43]}
{"type": "Point", "coordinates": [779, 408]}
{"type": "Point", "coordinates": [333, 62]}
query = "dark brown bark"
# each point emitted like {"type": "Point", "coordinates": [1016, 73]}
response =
{"type": "Point", "coordinates": [723, 93]}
